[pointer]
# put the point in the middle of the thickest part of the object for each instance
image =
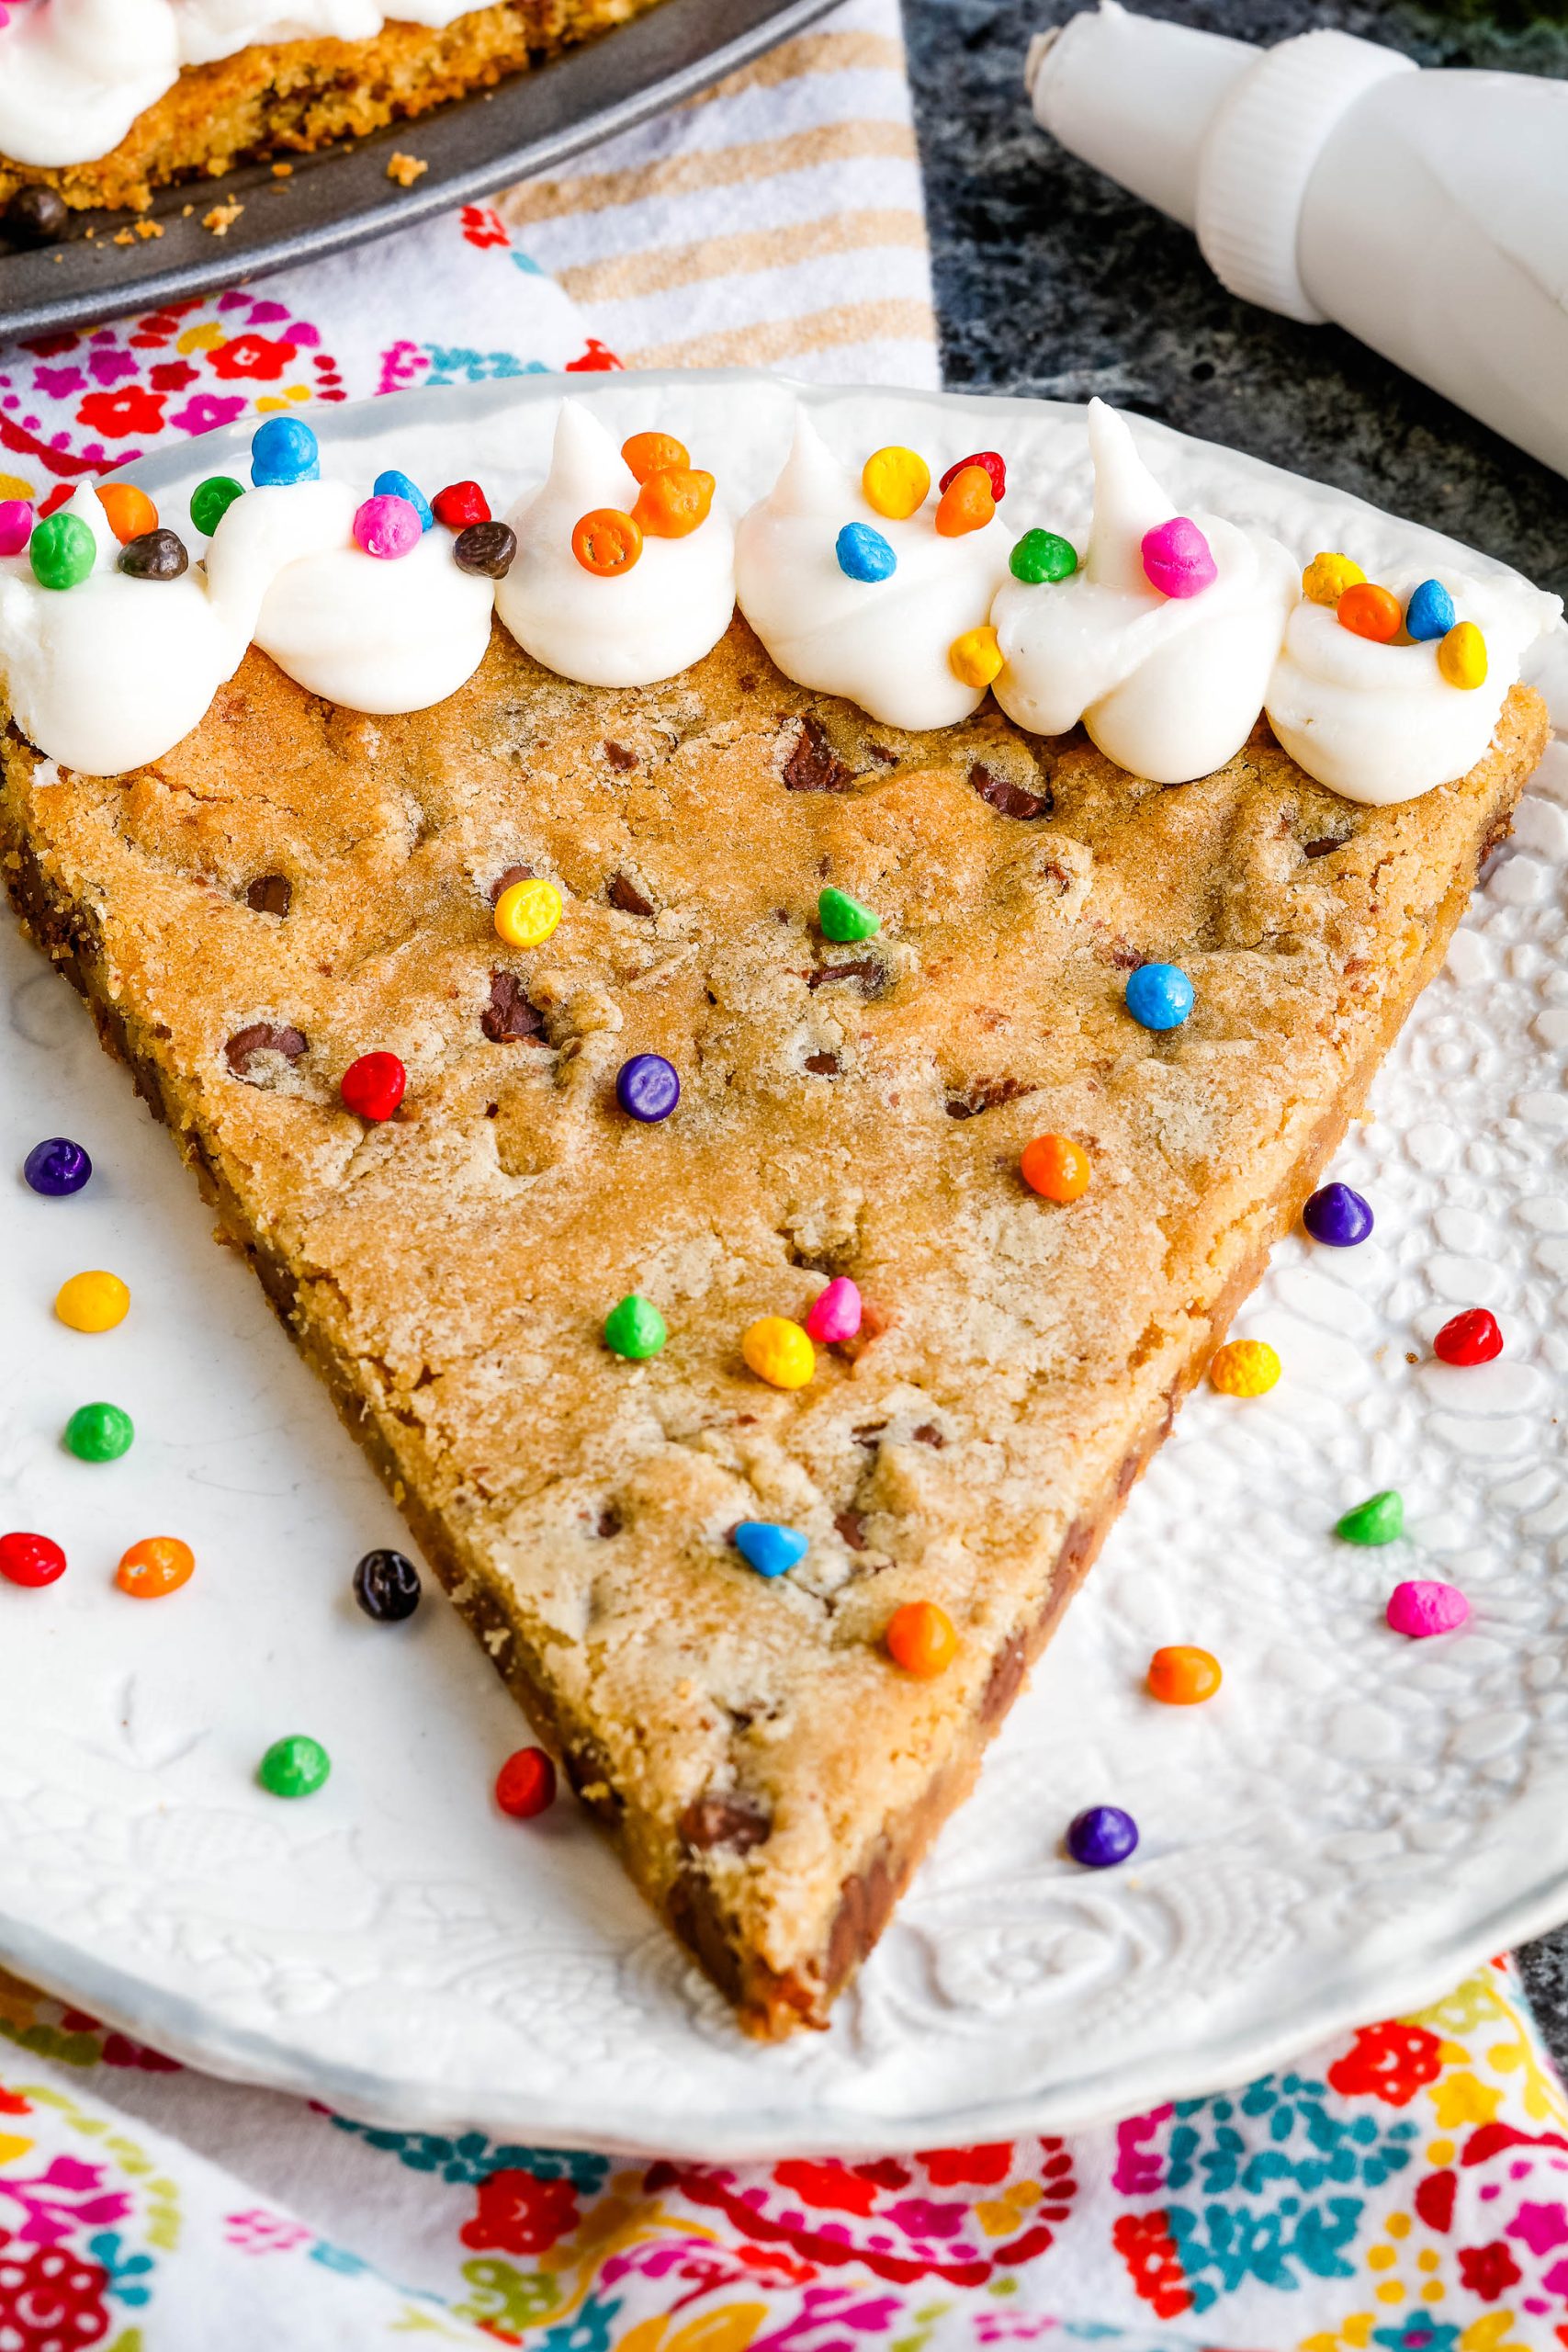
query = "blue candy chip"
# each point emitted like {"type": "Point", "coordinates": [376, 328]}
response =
{"type": "Point", "coordinates": [1430, 612]}
{"type": "Point", "coordinates": [771, 1551]}
{"type": "Point", "coordinates": [1159, 995]}
{"type": "Point", "coordinates": [864, 553]}
{"type": "Point", "coordinates": [393, 484]}
{"type": "Point", "coordinates": [284, 450]}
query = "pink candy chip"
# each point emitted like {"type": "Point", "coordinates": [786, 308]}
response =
{"type": "Point", "coordinates": [387, 526]}
{"type": "Point", "coordinates": [1176, 558]}
{"type": "Point", "coordinates": [1424, 1606]}
{"type": "Point", "coordinates": [16, 525]}
{"type": "Point", "coordinates": [835, 1313]}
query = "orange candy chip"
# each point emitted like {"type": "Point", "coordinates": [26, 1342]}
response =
{"type": "Point", "coordinates": [920, 1638]}
{"type": "Point", "coordinates": [1367, 610]}
{"type": "Point", "coordinates": [673, 502]}
{"type": "Point", "coordinates": [654, 453]}
{"type": "Point", "coordinates": [1056, 1166]}
{"type": "Point", "coordinates": [606, 541]}
{"type": "Point", "coordinates": [1183, 1676]}
{"type": "Point", "coordinates": [159, 1564]}
{"type": "Point", "coordinates": [967, 504]}
{"type": "Point", "coordinates": [131, 511]}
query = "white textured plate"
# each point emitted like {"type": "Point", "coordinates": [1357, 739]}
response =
{"type": "Point", "coordinates": [1351, 1824]}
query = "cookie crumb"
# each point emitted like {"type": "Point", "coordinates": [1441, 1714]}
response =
{"type": "Point", "coordinates": [222, 218]}
{"type": "Point", "coordinates": [283, 171]}
{"type": "Point", "coordinates": [145, 229]}
{"type": "Point", "coordinates": [406, 169]}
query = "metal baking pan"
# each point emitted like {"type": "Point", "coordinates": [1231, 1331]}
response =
{"type": "Point", "coordinates": [342, 195]}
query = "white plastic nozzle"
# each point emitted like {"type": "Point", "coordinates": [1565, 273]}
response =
{"type": "Point", "coordinates": [1222, 136]}
{"type": "Point", "coordinates": [1134, 97]}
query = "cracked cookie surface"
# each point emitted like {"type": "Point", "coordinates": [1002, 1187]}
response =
{"type": "Point", "coordinates": [296, 885]}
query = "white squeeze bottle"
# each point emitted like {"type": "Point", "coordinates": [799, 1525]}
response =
{"type": "Point", "coordinates": [1330, 178]}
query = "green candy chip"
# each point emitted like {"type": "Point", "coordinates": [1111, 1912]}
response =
{"type": "Point", "coordinates": [635, 1329]}
{"type": "Point", "coordinates": [295, 1766]}
{"type": "Point", "coordinates": [844, 919]}
{"type": "Point", "coordinates": [99, 1433]}
{"type": "Point", "coordinates": [211, 499]}
{"type": "Point", "coordinates": [1379, 1520]}
{"type": "Point", "coordinates": [1041, 556]}
{"type": "Point", "coordinates": [61, 551]}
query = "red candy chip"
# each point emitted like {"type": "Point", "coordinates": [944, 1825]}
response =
{"type": "Point", "coordinates": [373, 1086]}
{"type": "Point", "coordinates": [30, 1559]}
{"type": "Point", "coordinates": [993, 466]}
{"type": "Point", "coordinates": [526, 1784]}
{"type": "Point", "coordinates": [460, 504]}
{"type": "Point", "coordinates": [56, 499]}
{"type": "Point", "coordinates": [1472, 1336]}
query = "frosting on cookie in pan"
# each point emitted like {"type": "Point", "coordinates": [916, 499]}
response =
{"type": "Point", "coordinates": [1167, 679]}
{"type": "Point", "coordinates": [628, 603]}
{"type": "Point", "coordinates": [74, 75]}
{"type": "Point", "coordinates": [837, 616]}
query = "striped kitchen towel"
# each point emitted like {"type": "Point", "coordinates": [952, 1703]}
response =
{"type": "Point", "coordinates": [775, 221]}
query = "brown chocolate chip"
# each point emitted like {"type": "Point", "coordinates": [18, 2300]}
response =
{"type": "Point", "coordinates": [725, 1817]}
{"type": "Point", "coordinates": [1326, 847]}
{"type": "Point", "coordinates": [747, 682]}
{"type": "Point", "coordinates": [623, 893]}
{"type": "Point", "coordinates": [814, 765]}
{"type": "Point", "coordinates": [1009, 799]}
{"type": "Point", "coordinates": [823, 1065]}
{"type": "Point", "coordinates": [928, 1434]}
{"type": "Point", "coordinates": [262, 1037]}
{"type": "Point", "coordinates": [618, 755]}
{"type": "Point", "coordinates": [508, 1019]}
{"type": "Point", "coordinates": [866, 970]}
{"type": "Point", "coordinates": [867, 1432]}
{"type": "Point", "coordinates": [270, 894]}
{"type": "Point", "coordinates": [609, 1522]}
{"type": "Point", "coordinates": [882, 755]}
{"type": "Point", "coordinates": [504, 881]}
{"type": "Point", "coordinates": [850, 1525]}
{"type": "Point", "coordinates": [985, 1094]}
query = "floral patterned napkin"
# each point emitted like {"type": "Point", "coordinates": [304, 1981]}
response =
{"type": "Point", "coordinates": [1403, 2188]}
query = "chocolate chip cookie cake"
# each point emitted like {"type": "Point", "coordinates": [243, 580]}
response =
{"type": "Point", "coordinates": [758, 1117]}
{"type": "Point", "coordinates": [103, 101]}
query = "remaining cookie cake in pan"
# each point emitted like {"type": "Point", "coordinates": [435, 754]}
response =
{"type": "Point", "coordinates": [757, 1140]}
{"type": "Point", "coordinates": [102, 101]}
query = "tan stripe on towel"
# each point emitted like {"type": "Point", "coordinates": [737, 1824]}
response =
{"type": "Point", "coordinates": [895, 320]}
{"type": "Point", "coordinates": [828, 142]}
{"type": "Point", "coordinates": [624, 276]}
{"type": "Point", "coordinates": [809, 53]}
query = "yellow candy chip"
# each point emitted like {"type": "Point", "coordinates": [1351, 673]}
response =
{"type": "Point", "coordinates": [92, 1302]}
{"type": "Point", "coordinates": [1462, 656]}
{"type": "Point", "coordinates": [976, 657]}
{"type": "Point", "coordinates": [1245, 1368]}
{"type": "Point", "coordinates": [527, 914]}
{"type": "Point", "coordinates": [896, 482]}
{"type": "Point", "coordinates": [1326, 578]}
{"type": "Point", "coordinates": [778, 1352]}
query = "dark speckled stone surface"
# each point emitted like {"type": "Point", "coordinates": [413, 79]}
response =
{"type": "Point", "coordinates": [1049, 279]}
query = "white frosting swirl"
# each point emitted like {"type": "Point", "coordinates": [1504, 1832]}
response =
{"type": "Point", "coordinates": [375, 635]}
{"type": "Point", "coordinates": [1169, 687]}
{"type": "Point", "coordinates": [113, 673]}
{"type": "Point", "coordinates": [74, 75]}
{"type": "Point", "coordinates": [630, 628]}
{"type": "Point", "coordinates": [883, 644]}
{"type": "Point", "coordinates": [1380, 723]}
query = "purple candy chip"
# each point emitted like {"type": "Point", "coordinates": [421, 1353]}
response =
{"type": "Point", "coordinates": [647, 1088]}
{"type": "Point", "coordinates": [1337, 1216]}
{"type": "Point", "coordinates": [57, 1167]}
{"type": "Point", "coordinates": [1101, 1836]}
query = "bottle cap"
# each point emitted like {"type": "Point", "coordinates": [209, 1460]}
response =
{"type": "Point", "coordinates": [1220, 135]}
